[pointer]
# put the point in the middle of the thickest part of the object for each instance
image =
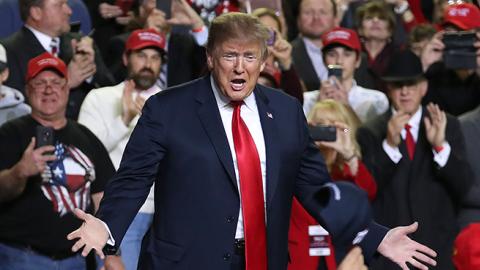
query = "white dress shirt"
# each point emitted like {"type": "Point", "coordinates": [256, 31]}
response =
{"type": "Point", "coordinates": [440, 158]}
{"type": "Point", "coordinates": [315, 54]}
{"type": "Point", "coordinates": [249, 114]}
{"type": "Point", "coordinates": [44, 39]}
{"type": "Point", "coordinates": [101, 113]}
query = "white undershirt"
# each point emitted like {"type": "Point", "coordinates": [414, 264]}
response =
{"type": "Point", "coordinates": [249, 114]}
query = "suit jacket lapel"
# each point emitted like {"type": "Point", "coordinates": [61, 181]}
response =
{"type": "Point", "coordinates": [267, 120]}
{"type": "Point", "coordinates": [34, 47]}
{"type": "Point", "coordinates": [212, 122]}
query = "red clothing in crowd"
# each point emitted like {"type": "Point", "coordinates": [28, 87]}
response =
{"type": "Point", "coordinates": [298, 238]}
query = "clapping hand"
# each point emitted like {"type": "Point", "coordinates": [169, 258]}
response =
{"type": "Point", "coordinates": [130, 107]}
{"type": "Point", "coordinates": [435, 125]}
{"type": "Point", "coordinates": [395, 125]}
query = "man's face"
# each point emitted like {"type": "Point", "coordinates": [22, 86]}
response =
{"type": "Point", "coordinates": [144, 67]}
{"type": "Point", "coordinates": [315, 18]}
{"type": "Point", "coordinates": [417, 47]}
{"type": "Point", "coordinates": [235, 66]}
{"type": "Point", "coordinates": [48, 95]}
{"type": "Point", "coordinates": [55, 17]}
{"type": "Point", "coordinates": [407, 98]}
{"type": "Point", "coordinates": [344, 57]}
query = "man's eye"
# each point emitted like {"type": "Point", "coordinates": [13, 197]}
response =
{"type": "Point", "coordinates": [251, 57]}
{"type": "Point", "coordinates": [229, 56]}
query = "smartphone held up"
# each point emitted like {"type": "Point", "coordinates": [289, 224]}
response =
{"type": "Point", "coordinates": [324, 133]}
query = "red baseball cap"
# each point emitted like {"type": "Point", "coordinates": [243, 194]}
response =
{"type": "Point", "coordinates": [143, 38]}
{"type": "Point", "coordinates": [466, 253]}
{"type": "Point", "coordinates": [45, 61]}
{"type": "Point", "coordinates": [465, 16]}
{"type": "Point", "coordinates": [343, 36]}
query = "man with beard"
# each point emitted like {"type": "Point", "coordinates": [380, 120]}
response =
{"type": "Point", "coordinates": [111, 113]}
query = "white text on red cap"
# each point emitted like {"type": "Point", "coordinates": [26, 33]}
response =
{"type": "Point", "coordinates": [338, 35]}
{"type": "Point", "coordinates": [459, 12]}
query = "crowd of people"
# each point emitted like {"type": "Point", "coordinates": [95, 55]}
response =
{"type": "Point", "coordinates": [246, 134]}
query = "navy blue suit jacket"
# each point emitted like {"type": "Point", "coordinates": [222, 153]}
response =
{"type": "Point", "coordinates": [180, 144]}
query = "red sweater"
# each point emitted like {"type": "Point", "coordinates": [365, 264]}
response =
{"type": "Point", "coordinates": [298, 239]}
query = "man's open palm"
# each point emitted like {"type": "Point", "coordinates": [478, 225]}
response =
{"type": "Point", "coordinates": [91, 235]}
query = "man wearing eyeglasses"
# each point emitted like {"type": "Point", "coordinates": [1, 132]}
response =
{"type": "Point", "coordinates": [417, 156]}
{"type": "Point", "coordinates": [41, 185]}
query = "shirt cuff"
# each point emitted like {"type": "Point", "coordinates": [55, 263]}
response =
{"type": "Point", "coordinates": [441, 157]}
{"type": "Point", "coordinates": [392, 152]}
{"type": "Point", "coordinates": [110, 240]}
{"type": "Point", "coordinates": [200, 36]}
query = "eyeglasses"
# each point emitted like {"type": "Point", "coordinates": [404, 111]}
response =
{"type": "Point", "coordinates": [41, 85]}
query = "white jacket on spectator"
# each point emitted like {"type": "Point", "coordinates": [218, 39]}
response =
{"type": "Point", "coordinates": [367, 103]}
{"type": "Point", "coordinates": [101, 112]}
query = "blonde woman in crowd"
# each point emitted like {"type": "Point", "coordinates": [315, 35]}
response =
{"type": "Point", "coordinates": [343, 161]}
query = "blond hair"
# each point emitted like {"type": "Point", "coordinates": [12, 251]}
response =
{"type": "Point", "coordinates": [329, 110]}
{"type": "Point", "coordinates": [237, 26]}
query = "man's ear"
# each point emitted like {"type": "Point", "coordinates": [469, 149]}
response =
{"type": "Point", "coordinates": [4, 75]}
{"type": "Point", "coordinates": [262, 66]}
{"type": "Point", "coordinates": [359, 60]}
{"type": "Point", "coordinates": [36, 13]}
{"type": "Point", "coordinates": [209, 61]}
{"type": "Point", "coordinates": [423, 87]}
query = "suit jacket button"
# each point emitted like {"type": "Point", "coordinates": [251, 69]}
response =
{"type": "Point", "coordinates": [230, 219]}
{"type": "Point", "coordinates": [226, 256]}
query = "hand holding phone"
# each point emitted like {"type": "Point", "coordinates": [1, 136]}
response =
{"type": "Point", "coordinates": [273, 37]}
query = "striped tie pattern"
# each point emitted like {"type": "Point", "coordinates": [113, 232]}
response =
{"type": "Point", "coordinates": [54, 47]}
{"type": "Point", "coordinates": [162, 78]}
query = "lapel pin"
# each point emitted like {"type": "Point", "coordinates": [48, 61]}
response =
{"type": "Point", "coordinates": [270, 115]}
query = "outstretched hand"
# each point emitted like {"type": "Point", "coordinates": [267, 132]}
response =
{"type": "Point", "coordinates": [399, 248]}
{"type": "Point", "coordinates": [91, 235]}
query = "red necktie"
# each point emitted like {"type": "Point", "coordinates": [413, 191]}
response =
{"type": "Point", "coordinates": [251, 189]}
{"type": "Point", "coordinates": [54, 47]}
{"type": "Point", "coordinates": [410, 142]}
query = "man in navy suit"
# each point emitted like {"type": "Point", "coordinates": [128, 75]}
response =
{"type": "Point", "coordinates": [194, 140]}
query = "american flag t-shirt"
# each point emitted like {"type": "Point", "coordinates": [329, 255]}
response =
{"type": "Point", "coordinates": [67, 180]}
